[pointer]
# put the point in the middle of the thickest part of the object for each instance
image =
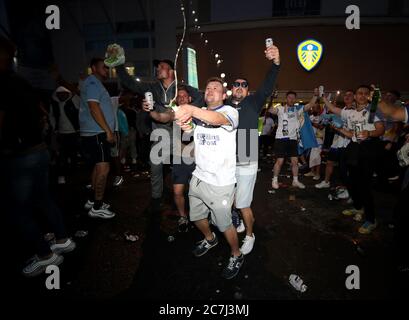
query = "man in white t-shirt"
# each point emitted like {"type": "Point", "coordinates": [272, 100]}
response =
{"type": "Point", "coordinates": [286, 144]}
{"type": "Point", "coordinates": [337, 153]}
{"type": "Point", "coordinates": [361, 155]}
{"type": "Point", "coordinates": [213, 182]}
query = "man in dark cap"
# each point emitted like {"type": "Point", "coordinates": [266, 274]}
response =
{"type": "Point", "coordinates": [163, 91]}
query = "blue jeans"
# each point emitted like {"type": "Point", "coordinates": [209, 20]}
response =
{"type": "Point", "coordinates": [26, 191]}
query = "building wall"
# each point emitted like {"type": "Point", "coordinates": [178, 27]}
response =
{"type": "Point", "coordinates": [86, 29]}
{"type": "Point", "coordinates": [374, 54]}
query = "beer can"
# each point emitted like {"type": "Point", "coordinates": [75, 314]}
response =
{"type": "Point", "coordinates": [358, 128]}
{"type": "Point", "coordinates": [269, 42]}
{"type": "Point", "coordinates": [149, 99]}
{"type": "Point", "coordinates": [321, 91]}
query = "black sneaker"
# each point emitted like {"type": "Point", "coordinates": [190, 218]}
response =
{"type": "Point", "coordinates": [233, 267]}
{"type": "Point", "coordinates": [204, 246]}
{"type": "Point", "coordinates": [183, 224]}
{"type": "Point", "coordinates": [235, 217]}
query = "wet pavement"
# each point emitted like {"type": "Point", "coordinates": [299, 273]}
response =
{"type": "Point", "coordinates": [297, 232]}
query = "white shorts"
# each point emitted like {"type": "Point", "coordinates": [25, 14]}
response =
{"type": "Point", "coordinates": [246, 176]}
{"type": "Point", "coordinates": [315, 157]}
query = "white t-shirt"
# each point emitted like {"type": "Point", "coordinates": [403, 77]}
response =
{"type": "Point", "coordinates": [358, 120]}
{"type": "Point", "coordinates": [215, 150]}
{"type": "Point", "coordinates": [340, 141]}
{"type": "Point", "coordinates": [289, 122]}
{"type": "Point", "coordinates": [267, 126]}
{"type": "Point", "coordinates": [64, 124]}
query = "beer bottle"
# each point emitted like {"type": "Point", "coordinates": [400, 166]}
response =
{"type": "Point", "coordinates": [374, 104]}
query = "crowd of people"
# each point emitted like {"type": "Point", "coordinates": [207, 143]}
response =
{"type": "Point", "coordinates": [211, 140]}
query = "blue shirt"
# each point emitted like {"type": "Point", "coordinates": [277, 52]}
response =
{"type": "Point", "coordinates": [93, 90]}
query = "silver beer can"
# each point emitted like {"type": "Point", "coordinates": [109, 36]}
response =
{"type": "Point", "coordinates": [358, 128]}
{"type": "Point", "coordinates": [149, 99]}
{"type": "Point", "coordinates": [321, 91]}
{"type": "Point", "coordinates": [269, 42]}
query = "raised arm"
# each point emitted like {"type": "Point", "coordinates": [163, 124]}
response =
{"type": "Point", "coordinates": [312, 102]}
{"type": "Point", "coordinates": [331, 107]}
{"type": "Point", "coordinates": [127, 81]}
{"type": "Point", "coordinates": [266, 88]}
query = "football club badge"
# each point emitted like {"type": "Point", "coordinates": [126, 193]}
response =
{"type": "Point", "coordinates": [309, 53]}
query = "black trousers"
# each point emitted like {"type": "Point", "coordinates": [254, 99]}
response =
{"type": "Point", "coordinates": [388, 164]}
{"type": "Point", "coordinates": [68, 149]}
{"type": "Point", "coordinates": [361, 161]}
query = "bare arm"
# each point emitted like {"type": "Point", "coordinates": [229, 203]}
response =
{"type": "Point", "coordinates": [186, 112]}
{"type": "Point", "coordinates": [310, 104]}
{"type": "Point", "coordinates": [392, 111]}
{"type": "Point", "coordinates": [98, 116]}
{"type": "Point", "coordinates": [331, 107]}
{"type": "Point", "coordinates": [345, 132]}
{"type": "Point", "coordinates": [379, 130]}
{"type": "Point", "coordinates": [210, 117]}
{"type": "Point", "coordinates": [163, 117]}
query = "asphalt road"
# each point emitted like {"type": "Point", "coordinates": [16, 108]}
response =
{"type": "Point", "coordinates": [297, 232]}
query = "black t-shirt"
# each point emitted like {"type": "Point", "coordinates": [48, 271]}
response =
{"type": "Point", "coordinates": [250, 107]}
{"type": "Point", "coordinates": [22, 124]}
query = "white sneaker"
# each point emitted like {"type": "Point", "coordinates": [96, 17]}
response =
{"type": "Point", "coordinates": [323, 185]}
{"type": "Point", "coordinates": [102, 213]}
{"type": "Point", "coordinates": [316, 178]}
{"type": "Point", "coordinates": [61, 180]}
{"type": "Point", "coordinates": [119, 180]}
{"type": "Point", "coordinates": [248, 244]}
{"type": "Point", "coordinates": [65, 247]}
{"type": "Point", "coordinates": [90, 204]}
{"type": "Point", "coordinates": [37, 266]}
{"type": "Point", "coordinates": [275, 185]}
{"type": "Point", "coordinates": [298, 184]}
{"type": "Point", "coordinates": [241, 228]}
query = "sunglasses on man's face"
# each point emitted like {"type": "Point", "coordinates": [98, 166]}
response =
{"type": "Point", "coordinates": [243, 84]}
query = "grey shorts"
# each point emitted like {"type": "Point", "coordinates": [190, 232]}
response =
{"type": "Point", "coordinates": [246, 176]}
{"type": "Point", "coordinates": [205, 198]}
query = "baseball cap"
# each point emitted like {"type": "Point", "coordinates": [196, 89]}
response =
{"type": "Point", "coordinates": [167, 61]}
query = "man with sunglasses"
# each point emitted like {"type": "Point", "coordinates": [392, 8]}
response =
{"type": "Point", "coordinates": [249, 108]}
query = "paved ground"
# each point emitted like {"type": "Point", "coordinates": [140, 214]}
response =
{"type": "Point", "coordinates": [299, 232]}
